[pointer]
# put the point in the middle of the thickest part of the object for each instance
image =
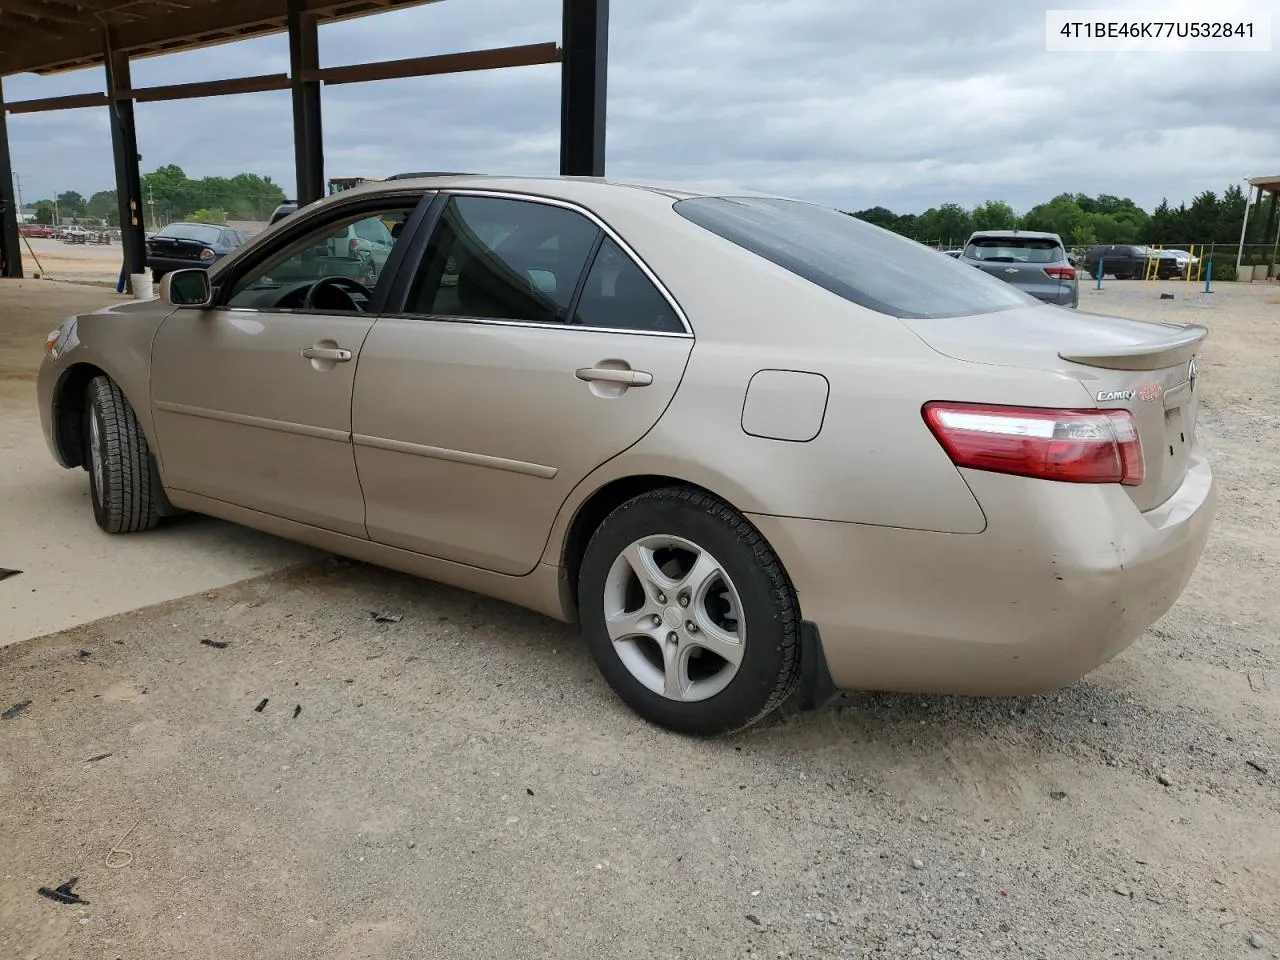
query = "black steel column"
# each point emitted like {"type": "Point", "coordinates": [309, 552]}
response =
{"type": "Point", "coordinates": [308, 143]}
{"type": "Point", "coordinates": [1256, 226]}
{"type": "Point", "coordinates": [583, 75]}
{"type": "Point", "coordinates": [10, 242]}
{"type": "Point", "coordinates": [124, 145]}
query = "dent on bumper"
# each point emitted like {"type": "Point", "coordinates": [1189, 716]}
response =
{"type": "Point", "coordinates": [1064, 578]}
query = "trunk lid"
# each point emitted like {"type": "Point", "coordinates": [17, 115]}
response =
{"type": "Point", "coordinates": [178, 249]}
{"type": "Point", "coordinates": [1144, 367]}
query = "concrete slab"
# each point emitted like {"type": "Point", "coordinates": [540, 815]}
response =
{"type": "Point", "coordinates": [72, 572]}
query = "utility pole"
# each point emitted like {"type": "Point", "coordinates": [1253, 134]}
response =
{"type": "Point", "coordinates": [151, 202]}
{"type": "Point", "coordinates": [17, 182]}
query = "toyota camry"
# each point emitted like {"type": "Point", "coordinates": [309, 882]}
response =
{"type": "Point", "coordinates": [749, 444]}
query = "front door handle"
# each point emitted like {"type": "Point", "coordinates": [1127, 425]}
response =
{"type": "Point", "coordinates": [336, 354]}
{"type": "Point", "coordinates": [626, 378]}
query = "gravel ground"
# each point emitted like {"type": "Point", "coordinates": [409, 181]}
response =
{"type": "Point", "coordinates": [459, 782]}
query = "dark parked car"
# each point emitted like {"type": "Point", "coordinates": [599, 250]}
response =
{"type": "Point", "coordinates": [1125, 261]}
{"type": "Point", "coordinates": [183, 245]}
{"type": "Point", "coordinates": [1036, 263]}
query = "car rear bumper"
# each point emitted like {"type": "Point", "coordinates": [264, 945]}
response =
{"type": "Point", "coordinates": [1064, 578]}
{"type": "Point", "coordinates": [175, 263]}
{"type": "Point", "coordinates": [1067, 295]}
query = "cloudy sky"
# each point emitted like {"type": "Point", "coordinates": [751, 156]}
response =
{"type": "Point", "coordinates": [854, 103]}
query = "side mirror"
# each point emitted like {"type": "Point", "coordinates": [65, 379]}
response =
{"type": "Point", "coordinates": [186, 288]}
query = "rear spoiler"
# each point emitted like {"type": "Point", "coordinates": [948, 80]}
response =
{"type": "Point", "coordinates": [1179, 348]}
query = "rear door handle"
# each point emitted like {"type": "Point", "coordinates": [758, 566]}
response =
{"type": "Point", "coordinates": [627, 378]}
{"type": "Point", "coordinates": [337, 354]}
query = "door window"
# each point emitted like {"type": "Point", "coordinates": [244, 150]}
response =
{"type": "Point", "coordinates": [494, 258]}
{"type": "Point", "coordinates": [334, 269]}
{"type": "Point", "coordinates": [618, 296]}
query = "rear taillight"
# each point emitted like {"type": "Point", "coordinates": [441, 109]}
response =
{"type": "Point", "coordinates": [1074, 446]}
{"type": "Point", "coordinates": [206, 254]}
{"type": "Point", "coordinates": [1061, 273]}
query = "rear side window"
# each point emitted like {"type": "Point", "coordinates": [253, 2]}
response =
{"type": "Point", "coordinates": [1014, 249]}
{"type": "Point", "coordinates": [503, 259]}
{"type": "Point", "coordinates": [618, 296]}
{"type": "Point", "coordinates": [862, 263]}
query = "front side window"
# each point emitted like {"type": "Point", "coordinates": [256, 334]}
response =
{"type": "Point", "coordinates": [495, 258]}
{"type": "Point", "coordinates": [864, 264]}
{"type": "Point", "coordinates": [618, 296]}
{"type": "Point", "coordinates": [331, 270]}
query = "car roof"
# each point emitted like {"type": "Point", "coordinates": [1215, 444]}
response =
{"type": "Point", "coordinates": [579, 189]}
{"type": "Point", "coordinates": [1020, 234]}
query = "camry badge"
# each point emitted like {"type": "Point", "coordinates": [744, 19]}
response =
{"type": "Point", "coordinates": [1106, 395]}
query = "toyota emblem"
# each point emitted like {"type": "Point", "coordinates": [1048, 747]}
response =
{"type": "Point", "coordinates": [1191, 375]}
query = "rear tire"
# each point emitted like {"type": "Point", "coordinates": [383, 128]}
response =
{"type": "Point", "coordinates": [123, 485]}
{"type": "Point", "coordinates": [709, 641]}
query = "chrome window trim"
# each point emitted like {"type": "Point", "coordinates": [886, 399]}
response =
{"type": "Point", "coordinates": [528, 325]}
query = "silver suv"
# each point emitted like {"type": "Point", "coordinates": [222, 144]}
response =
{"type": "Point", "coordinates": [1034, 262]}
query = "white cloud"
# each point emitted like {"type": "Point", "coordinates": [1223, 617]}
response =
{"type": "Point", "coordinates": [847, 102]}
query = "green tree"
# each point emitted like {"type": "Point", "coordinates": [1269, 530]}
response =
{"type": "Point", "coordinates": [1163, 226]}
{"type": "Point", "coordinates": [246, 196]}
{"type": "Point", "coordinates": [44, 211]}
{"type": "Point", "coordinates": [205, 215]}
{"type": "Point", "coordinates": [1231, 215]}
{"type": "Point", "coordinates": [102, 206]}
{"type": "Point", "coordinates": [70, 204]}
{"type": "Point", "coordinates": [1061, 215]}
{"type": "Point", "coordinates": [880, 216]}
{"type": "Point", "coordinates": [950, 223]}
{"type": "Point", "coordinates": [994, 215]}
{"type": "Point", "coordinates": [1204, 216]}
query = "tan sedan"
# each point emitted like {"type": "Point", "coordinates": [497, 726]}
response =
{"type": "Point", "coordinates": [749, 443]}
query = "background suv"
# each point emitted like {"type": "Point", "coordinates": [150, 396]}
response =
{"type": "Point", "coordinates": [1036, 263]}
{"type": "Point", "coordinates": [1125, 261]}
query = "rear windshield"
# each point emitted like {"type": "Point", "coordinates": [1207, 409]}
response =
{"type": "Point", "coordinates": [191, 231]}
{"type": "Point", "coordinates": [862, 263]}
{"type": "Point", "coordinates": [1014, 249]}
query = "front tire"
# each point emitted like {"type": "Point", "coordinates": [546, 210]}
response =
{"type": "Point", "coordinates": [126, 493]}
{"type": "Point", "coordinates": [689, 614]}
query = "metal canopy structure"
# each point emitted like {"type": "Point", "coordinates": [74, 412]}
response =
{"type": "Point", "coordinates": [52, 36]}
{"type": "Point", "coordinates": [1262, 185]}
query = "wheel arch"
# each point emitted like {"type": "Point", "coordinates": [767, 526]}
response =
{"type": "Point", "coordinates": [592, 511]}
{"type": "Point", "coordinates": [68, 411]}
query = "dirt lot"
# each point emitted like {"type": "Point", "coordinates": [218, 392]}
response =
{"type": "Point", "coordinates": [80, 262]}
{"type": "Point", "coordinates": [46, 525]}
{"type": "Point", "coordinates": [461, 784]}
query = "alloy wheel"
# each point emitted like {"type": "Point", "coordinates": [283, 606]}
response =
{"type": "Point", "coordinates": [675, 618]}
